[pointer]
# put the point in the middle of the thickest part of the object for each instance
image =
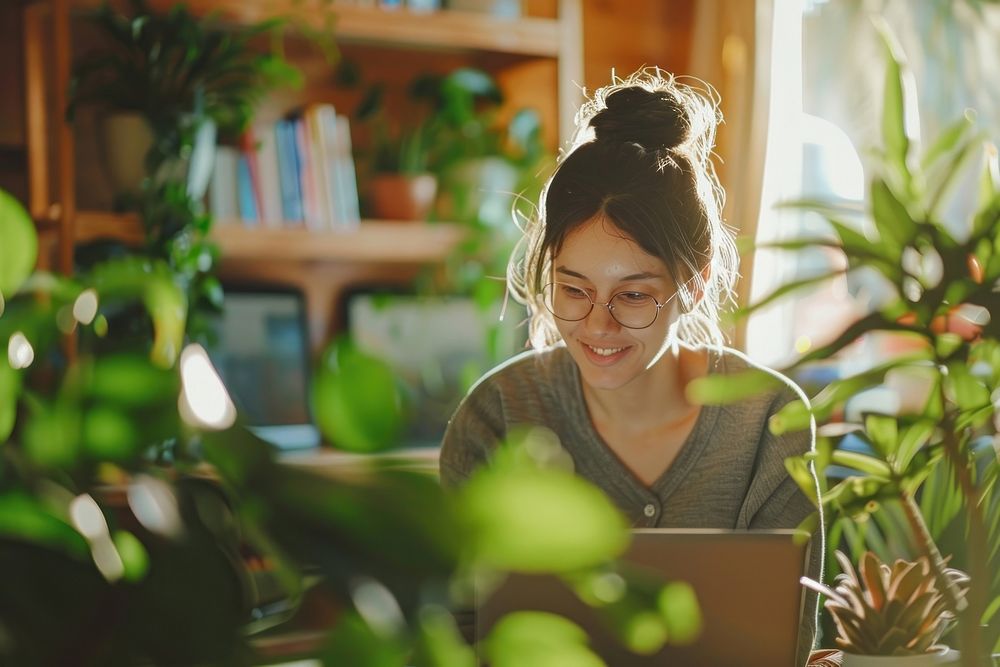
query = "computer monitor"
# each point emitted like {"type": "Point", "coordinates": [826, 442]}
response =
{"type": "Point", "coordinates": [261, 350]}
{"type": "Point", "coordinates": [437, 346]}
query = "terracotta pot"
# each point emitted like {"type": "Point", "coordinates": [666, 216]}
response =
{"type": "Point", "coordinates": [402, 196]}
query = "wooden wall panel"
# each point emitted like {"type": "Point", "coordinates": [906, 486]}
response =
{"type": "Point", "coordinates": [13, 162]}
{"type": "Point", "coordinates": [627, 34]}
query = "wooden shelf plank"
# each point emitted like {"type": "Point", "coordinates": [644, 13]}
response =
{"type": "Point", "coordinates": [400, 28]}
{"type": "Point", "coordinates": [375, 241]}
{"type": "Point", "coordinates": [94, 225]}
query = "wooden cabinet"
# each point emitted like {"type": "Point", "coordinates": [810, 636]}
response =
{"type": "Point", "coordinates": [536, 59]}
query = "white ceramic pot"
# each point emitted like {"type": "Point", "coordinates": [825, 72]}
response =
{"type": "Point", "coordinates": [126, 138]}
{"type": "Point", "coordinates": [481, 189]}
{"type": "Point", "coordinates": [944, 657]}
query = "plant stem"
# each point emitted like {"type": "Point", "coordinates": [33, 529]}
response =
{"type": "Point", "coordinates": [928, 549]}
{"type": "Point", "coordinates": [969, 627]}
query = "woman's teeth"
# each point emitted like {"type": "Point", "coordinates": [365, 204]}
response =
{"type": "Point", "coordinates": [605, 351]}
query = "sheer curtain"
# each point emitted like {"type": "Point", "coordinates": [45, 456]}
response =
{"type": "Point", "coordinates": [732, 45]}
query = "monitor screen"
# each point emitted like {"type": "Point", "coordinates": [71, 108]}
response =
{"type": "Point", "coordinates": [261, 350]}
{"type": "Point", "coordinates": [437, 346]}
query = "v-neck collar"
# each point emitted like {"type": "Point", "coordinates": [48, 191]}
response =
{"type": "Point", "coordinates": [593, 446]}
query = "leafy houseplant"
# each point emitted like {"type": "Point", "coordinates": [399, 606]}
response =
{"type": "Point", "coordinates": [182, 78]}
{"type": "Point", "coordinates": [944, 301]}
{"type": "Point", "coordinates": [130, 496]}
{"type": "Point", "coordinates": [453, 134]}
{"type": "Point", "coordinates": [400, 183]}
{"type": "Point", "coordinates": [883, 610]}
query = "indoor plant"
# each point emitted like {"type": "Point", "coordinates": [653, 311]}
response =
{"type": "Point", "coordinates": [130, 497]}
{"type": "Point", "coordinates": [179, 80]}
{"type": "Point", "coordinates": [943, 301]}
{"type": "Point", "coordinates": [173, 81]}
{"type": "Point", "coordinates": [452, 133]}
{"type": "Point", "coordinates": [401, 185]}
{"type": "Point", "coordinates": [888, 611]}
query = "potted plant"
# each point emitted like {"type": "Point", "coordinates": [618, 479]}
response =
{"type": "Point", "coordinates": [401, 185]}
{"type": "Point", "coordinates": [889, 615]}
{"type": "Point", "coordinates": [943, 302]}
{"type": "Point", "coordinates": [455, 137]}
{"type": "Point", "coordinates": [166, 85]}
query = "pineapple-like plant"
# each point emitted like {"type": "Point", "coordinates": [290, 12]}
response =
{"type": "Point", "coordinates": [889, 610]}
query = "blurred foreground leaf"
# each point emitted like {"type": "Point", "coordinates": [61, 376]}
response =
{"type": "Point", "coordinates": [538, 639]}
{"type": "Point", "coordinates": [18, 245]}
{"type": "Point", "coordinates": [357, 401]}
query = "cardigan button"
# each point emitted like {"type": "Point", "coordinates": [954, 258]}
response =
{"type": "Point", "coordinates": [649, 510]}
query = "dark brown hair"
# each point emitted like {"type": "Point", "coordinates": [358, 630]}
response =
{"type": "Point", "coordinates": [641, 157]}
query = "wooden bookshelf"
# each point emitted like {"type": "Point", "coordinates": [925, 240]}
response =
{"type": "Point", "coordinates": [374, 241]}
{"type": "Point", "coordinates": [536, 59]}
{"type": "Point", "coordinates": [398, 28]}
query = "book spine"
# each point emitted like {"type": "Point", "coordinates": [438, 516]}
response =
{"type": "Point", "coordinates": [222, 198]}
{"type": "Point", "coordinates": [307, 183]}
{"type": "Point", "coordinates": [244, 188]}
{"type": "Point", "coordinates": [347, 192]}
{"type": "Point", "coordinates": [321, 164]}
{"type": "Point", "coordinates": [291, 195]}
{"type": "Point", "coordinates": [270, 177]}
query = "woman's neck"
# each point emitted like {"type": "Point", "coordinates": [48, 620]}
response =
{"type": "Point", "coordinates": [654, 399]}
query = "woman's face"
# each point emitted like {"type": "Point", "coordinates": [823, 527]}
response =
{"type": "Point", "coordinates": [598, 259]}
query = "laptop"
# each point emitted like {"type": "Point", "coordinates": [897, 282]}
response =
{"type": "Point", "coordinates": [746, 582]}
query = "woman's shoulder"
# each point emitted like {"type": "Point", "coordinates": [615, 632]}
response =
{"type": "Point", "coordinates": [527, 371]}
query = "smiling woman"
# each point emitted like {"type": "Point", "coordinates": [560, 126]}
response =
{"type": "Point", "coordinates": [625, 272]}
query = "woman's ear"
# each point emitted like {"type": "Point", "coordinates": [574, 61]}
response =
{"type": "Point", "coordinates": [696, 285]}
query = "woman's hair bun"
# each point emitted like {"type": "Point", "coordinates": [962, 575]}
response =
{"type": "Point", "coordinates": [655, 120]}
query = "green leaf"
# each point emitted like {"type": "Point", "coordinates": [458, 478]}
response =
{"type": "Point", "coordinates": [968, 391]}
{"type": "Point", "coordinates": [883, 431]}
{"type": "Point", "coordinates": [357, 400]}
{"type": "Point", "coordinates": [10, 389]}
{"type": "Point", "coordinates": [533, 520]}
{"type": "Point", "coordinates": [131, 381]}
{"type": "Point", "coordinates": [439, 643]}
{"type": "Point", "coordinates": [23, 517]}
{"type": "Point", "coordinates": [862, 462]}
{"type": "Point", "coordinates": [52, 436]}
{"type": "Point", "coordinates": [798, 470]}
{"type": "Point", "coordinates": [19, 246]}
{"type": "Point", "coordinates": [897, 144]}
{"type": "Point", "coordinates": [539, 639]}
{"type": "Point", "coordinates": [794, 416]}
{"type": "Point", "coordinates": [109, 434]}
{"type": "Point", "coordinates": [950, 174]}
{"type": "Point", "coordinates": [354, 642]}
{"type": "Point", "coordinates": [724, 389]}
{"type": "Point", "coordinates": [893, 221]}
{"type": "Point", "coordinates": [947, 140]}
{"type": "Point", "coordinates": [134, 556]}
{"type": "Point", "coordinates": [911, 440]}
{"type": "Point", "coordinates": [679, 607]}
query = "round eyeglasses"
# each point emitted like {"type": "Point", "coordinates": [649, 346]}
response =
{"type": "Point", "coordinates": [632, 310]}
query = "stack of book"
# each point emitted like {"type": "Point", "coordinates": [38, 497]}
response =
{"type": "Point", "coordinates": [296, 171]}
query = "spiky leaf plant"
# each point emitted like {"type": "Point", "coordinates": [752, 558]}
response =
{"type": "Point", "coordinates": [888, 610]}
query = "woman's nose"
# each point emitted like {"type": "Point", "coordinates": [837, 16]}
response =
{"type": "Point", "coordinates": [600, 320]}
